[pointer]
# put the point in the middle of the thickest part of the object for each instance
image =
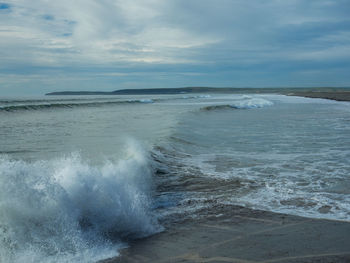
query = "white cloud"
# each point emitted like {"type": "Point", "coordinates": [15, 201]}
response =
{"type": "Point", "coordinates": [94, 32]}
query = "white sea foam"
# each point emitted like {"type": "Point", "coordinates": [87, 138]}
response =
{"type": "Point", "coordinates": [283, 183]}
{"type": "Point", "coordinates": [146, 101]}
{"type": "Point", "coordinates": [66, 210]}
{"type": "Point", "coordinates": [205, 96]}
{"type": "Point", "coordinates": [251, 103]}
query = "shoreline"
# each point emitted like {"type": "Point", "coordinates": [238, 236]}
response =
{"type": "Point", "coordinates": [230, 233]}
{"type": "Point", "coordinates": [337, 96]}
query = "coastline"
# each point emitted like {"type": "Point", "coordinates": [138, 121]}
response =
{"type": "Point", "coordinates": [316, 91]}
{"type": "Point", "coordinates": [338, 96]}
{"type": "Point", "coordinates": [230, 233]}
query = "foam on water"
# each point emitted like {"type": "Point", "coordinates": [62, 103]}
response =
{"type": "Point", "coordinates": [66, 210]}
{"type": "Point", "coordinates": [243, 102]}
{"type": "Point", "coordinates": [292, 184]}
{"type": "Point", "coordinates": [251, 103]}
{"type": "Point", "coordinates": [146, 101]}
{"type": "Point", "coordinates": [205, 96]}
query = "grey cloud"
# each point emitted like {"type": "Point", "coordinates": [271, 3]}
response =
{"type": "Point", "coordinates": [176, 42]}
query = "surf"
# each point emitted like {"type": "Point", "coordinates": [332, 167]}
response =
{"type": "Point", "coordinates": [67, 210]}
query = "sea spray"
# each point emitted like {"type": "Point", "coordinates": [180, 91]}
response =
{"type": "Point", "coordinates": [66, 210]}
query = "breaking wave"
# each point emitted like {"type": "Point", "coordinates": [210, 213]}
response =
{"type": "Point", "coordinates": [66, 210]}
{"type": "Point", "coordinates": [246, 103]}
{"type": "Point", "coordinates": [251, 103]}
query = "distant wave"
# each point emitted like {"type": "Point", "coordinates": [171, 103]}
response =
{"type": "Point", "coordinates": [251, 103]}
{"type": "Point", "coordinates": [48, 105]}
{"type": "Point", "coordinates": [27, 105]}
{"type": "Point", "coordinates": [67, 210]}
{"type": "Point", "coordinates": [246, 103]}
{"type": "Point", "coordinates": [217, 107]}
{"type": "Point", "coordinates": [206, 96]}
{"type": "Point", "coordinates": [33, 101]}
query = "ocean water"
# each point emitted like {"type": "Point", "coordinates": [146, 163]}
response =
{"type": "Point", "coordinates": [81, 176]}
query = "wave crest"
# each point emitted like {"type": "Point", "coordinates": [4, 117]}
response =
{"type": "Point", "coordinates": [251, 103]}
{"type": "Point", "coordinates": [59, 105]}
{"type": "Point", "coordinates": [67, 210]}
{"type": "Point", "coordinates": [246, 103]}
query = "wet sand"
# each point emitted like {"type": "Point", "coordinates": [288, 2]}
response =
{"type": "Point", "coordinates": [339, 96]}
{"type": "Point", "coordinates": [237, 234]}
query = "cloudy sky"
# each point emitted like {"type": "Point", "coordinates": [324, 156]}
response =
{"type": "Point", "coordinates": [111, 44]}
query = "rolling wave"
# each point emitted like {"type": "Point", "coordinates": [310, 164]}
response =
{"type": "Point", "coordinates": [217, 107]}
{"type": "Point", "coordinates": [33, 101]}
{"type": "Point", "coordinates": [246, 103]}
{"type": "Point", "coordinates": [7, 105]}
{"type": "Point", "coordinates": [42, 106]}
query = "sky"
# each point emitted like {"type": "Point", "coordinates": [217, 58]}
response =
{"type": "Point", "coordinates": [105, 45]}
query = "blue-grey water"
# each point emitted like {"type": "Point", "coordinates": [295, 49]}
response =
{"type": "Point", "coordinates": [79, 176]}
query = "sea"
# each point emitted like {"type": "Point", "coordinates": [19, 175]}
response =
{"type": "Point", "coordinates": [82, 176]}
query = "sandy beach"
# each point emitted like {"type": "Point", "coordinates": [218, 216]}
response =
{"type": "Point", "coordinates": [331, 95]}
{"type": "Point", "coordinates": [237, 234]}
